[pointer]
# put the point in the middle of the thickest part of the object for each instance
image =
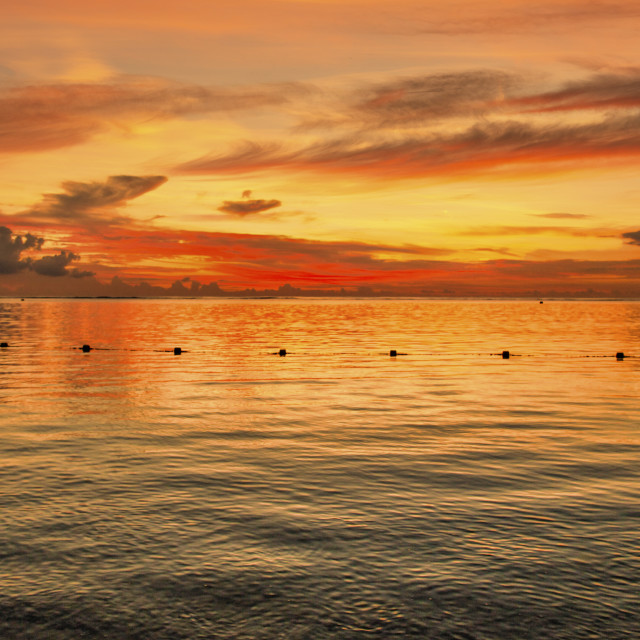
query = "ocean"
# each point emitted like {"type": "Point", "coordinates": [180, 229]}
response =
{"type": "Point", "coordinates": [336, 491]}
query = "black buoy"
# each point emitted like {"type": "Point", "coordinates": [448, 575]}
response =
{"type": "Point", "coordinates": [506, 355]}
{"type": "Point", "coordinates": [282, 352]}
{"type": "Point", "coordinates": [86, 348]}
{"type": "Point", "coordinates": [393, 353]}
{"type": "Point", "coordinates": [4, 345]}
{"type": "Point", "coordinates": [541, 302]}
{"type": "Point", "coordinates": [177, 351]}
{"type": "Point", "coordinates": [620, 355]}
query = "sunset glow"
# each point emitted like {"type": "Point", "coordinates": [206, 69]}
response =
{"type": "Point", "coordinates": [470, 148]}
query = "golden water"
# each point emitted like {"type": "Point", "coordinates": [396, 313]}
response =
{"type": "Point", "coordinates": [335, 492]}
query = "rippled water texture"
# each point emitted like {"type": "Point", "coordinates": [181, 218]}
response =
{"type": "Point", "coordinates": [335, 492]}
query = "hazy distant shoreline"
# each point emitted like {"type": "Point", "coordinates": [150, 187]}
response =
{"type": "Point", "coordinates": [557, 298]}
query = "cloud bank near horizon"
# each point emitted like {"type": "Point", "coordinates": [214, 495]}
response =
{"type": "Point", "coordinates": [12, 248]}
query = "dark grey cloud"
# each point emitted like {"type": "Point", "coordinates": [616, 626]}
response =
{"type": "Point", "coordinates": [247, 207]}
{"type": "Point", "coordinates": [86, 200]}
{"type": "Point", "coordinates": [55, 265]}
{"type": "Point", "coordinates": [12, 259]}
{"type": "Point", "coordinates": [81, 273]}
{"type": "Point", "coordinates": [12, 247]}
{"type": "Point", "coordinates": [633, 237]}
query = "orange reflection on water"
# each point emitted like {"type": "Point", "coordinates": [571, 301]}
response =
{"type": "Point", "coordinates": [230, 356]}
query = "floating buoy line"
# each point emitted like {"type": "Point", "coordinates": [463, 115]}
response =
{"type": "Point", "coordinates": [392, 353]}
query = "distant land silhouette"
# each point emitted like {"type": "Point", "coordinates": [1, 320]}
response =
{"type": "Point", "coordinates": [188, 288]}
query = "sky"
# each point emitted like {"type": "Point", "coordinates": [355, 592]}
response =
{"type": "Point", "coordinates": [408, 148]}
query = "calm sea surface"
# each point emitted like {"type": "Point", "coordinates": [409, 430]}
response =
{"type": "Point", "coordinates": [336, 492]}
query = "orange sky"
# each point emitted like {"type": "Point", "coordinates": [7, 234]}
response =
{"type": "Point", "coordinates": [416, 148]}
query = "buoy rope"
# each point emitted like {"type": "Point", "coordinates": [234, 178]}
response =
{"type": "Point", "coordinates": [8, 348]}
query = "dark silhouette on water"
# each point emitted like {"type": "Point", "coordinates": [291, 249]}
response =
{"type": "Point", "coordinates": [177, 351]}
{"type": "Point", "coordinates": [86, 348]}
{"type": "Point", "coordinates": [4, 345]}
{"type": "Point", "coordinates": [620, 355]}
{"type": "Point", "coordinates": [506, 355]}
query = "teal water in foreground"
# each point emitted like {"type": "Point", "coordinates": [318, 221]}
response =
{"type": "Point", "coordinates": [335, 492]}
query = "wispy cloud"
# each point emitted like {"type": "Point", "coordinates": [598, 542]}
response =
{"type": "Point", "coordinates": [485, 147]}
{"type": "Point", "coordinates": [506, 230]}
{"type": "Point", "coordinates": [89, 201]}
{"type": "Point", "coordinates": [517, 18]}
{"type": "Point", "coordinates": [263, 260]}
{"type": "Point", "coordinates": [419, 100]}
{"type": "Point", "coordinates": [561, 216]}
{"type": "Point", "coordinates": [605, 91]}
{"type": "Point", "coordinates": [454, 124]}
{"type": "Point", "coordinates": [558, 270]}
{"type": "Point", "coordinates": [44, 117]}
{"type": "Point", "coordinates": [503, 251]}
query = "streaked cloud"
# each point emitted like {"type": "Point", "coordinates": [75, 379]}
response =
{"type": "Point", "coordinates": [562, 216]}
{"type": "Point", "coordinates": [604, 91]}
{"type": "Point", "coordinates": [486, 147]}
{"type": "Point", "coordinates": [90, 200]}
{"type": "Point", "coordinates": [517, 17]}
{"type": "Point", "coordinates": [503, 251]}
{"type": "Point", "coordinates": [506, 230]}
{"type": "Point", "coordinates": [45, 117]}
{"type": "Point", "coordinates": [265, 261]}
{"type": "Point", "coordinates": [426, 99]}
